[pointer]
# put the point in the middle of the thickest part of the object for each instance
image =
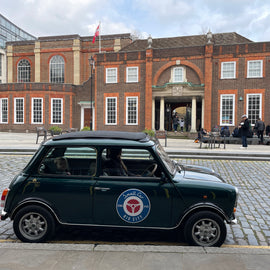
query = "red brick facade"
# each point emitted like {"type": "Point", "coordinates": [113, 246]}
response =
{"type": "Point", "coordinates": [150, 99]}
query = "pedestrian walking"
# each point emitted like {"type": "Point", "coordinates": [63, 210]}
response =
{"type": "Point", "coordinates": [259, 127]}
{"type": "Point", "coordinates": [244, 130]}
{"type": "Point", "coordinates": [182, 123]}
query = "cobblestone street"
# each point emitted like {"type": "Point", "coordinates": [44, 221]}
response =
{"type": "Point", "coordinates": [251, 177]}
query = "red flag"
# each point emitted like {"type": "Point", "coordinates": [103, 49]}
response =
{"type": "Point", "coordinates": [96, 35]}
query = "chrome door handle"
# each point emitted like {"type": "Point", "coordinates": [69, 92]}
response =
{"type": "Point", "coordinates": [102, 188]}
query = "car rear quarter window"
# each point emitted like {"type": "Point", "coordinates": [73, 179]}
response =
{"type": "Point", "coordinates": [74, 161]}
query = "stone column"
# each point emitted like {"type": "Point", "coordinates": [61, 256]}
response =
{"type": "Point", "coordinates": [153, 114]}
{"type": "Point", "coordinates": [202, 120]}
{"type": "Point", "coordinates": [10, 64]}
{"type": "Point", "coordinates": [37, 61]}
{"type": "Point", "coordinates": [76, 58]}
{"type": "Point", "coordinates": [161, 116]}
{"type": "Point", "coordinates": [193, 115]}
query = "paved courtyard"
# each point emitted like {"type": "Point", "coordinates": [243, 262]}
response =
{"type": "Point", "coordinates": [251, 177]}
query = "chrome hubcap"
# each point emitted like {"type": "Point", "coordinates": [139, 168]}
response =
{"type": "Point", "coordinates": [206, 232]}
{"type": "Point", "coordinates": [33, 225]}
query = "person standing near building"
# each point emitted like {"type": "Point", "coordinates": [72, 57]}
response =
{"type": "Point", "coordinates": [175, 122]}
{"type": "Point", "coordinates": [182, 123]}
{"type": "Point", "coordinates": [259, 127]}
{"type": "Point", "coordinates": [244, 130]}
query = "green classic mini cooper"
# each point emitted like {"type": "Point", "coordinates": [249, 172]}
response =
{"type": "Point", "coordinates": [117, 180]}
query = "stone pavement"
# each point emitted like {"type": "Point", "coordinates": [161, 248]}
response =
{"type": "Point", "coordinates": [73, 256]}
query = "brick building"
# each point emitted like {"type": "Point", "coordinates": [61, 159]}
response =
{"type": "Point", "coordinates": [216, 77]}
{"type": "Point", "coordinates": [48, 81]}
{"type": "Point", "coordinates": [136, 85]}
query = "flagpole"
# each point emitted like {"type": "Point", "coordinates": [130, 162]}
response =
{"type": "Point", "coordinates": [99, 42]}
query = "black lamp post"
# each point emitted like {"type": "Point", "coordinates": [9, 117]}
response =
{"type": "Point", "coordinates": [92, 66]}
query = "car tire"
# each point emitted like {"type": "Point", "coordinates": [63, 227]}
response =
{"type": "Point", "coordinates": [205, 229]}
{"type": "Point", "coordinates": [33, 224]}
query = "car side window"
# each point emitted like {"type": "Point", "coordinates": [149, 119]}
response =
{"type": "Point", "coordinates": [77, 160]}
{"type": "Point", "coordinates": [129, 162]}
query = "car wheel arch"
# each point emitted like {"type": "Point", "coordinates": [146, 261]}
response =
{"type": "Point", "coordinates": [34, 202]}
{"type": "Point", "coordinates": [200, 208]}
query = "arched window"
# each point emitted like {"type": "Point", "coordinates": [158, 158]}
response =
{"type": "Point", "coordinates": [24, 70]}
{"type": "Point", "coordinates": [57, 69]}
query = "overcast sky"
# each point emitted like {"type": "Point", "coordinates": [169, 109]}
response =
{"type": "Point", "coordinates": [160, 18]}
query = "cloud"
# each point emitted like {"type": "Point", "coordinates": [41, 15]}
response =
{"type": "Point", "coordinates": [159, 18]}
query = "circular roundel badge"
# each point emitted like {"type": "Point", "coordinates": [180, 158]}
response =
{"type": "Point", "coordinates": [133, 206]}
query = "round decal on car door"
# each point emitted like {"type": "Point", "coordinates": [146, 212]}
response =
{"type": "Point", "coordinates": [133, 206]}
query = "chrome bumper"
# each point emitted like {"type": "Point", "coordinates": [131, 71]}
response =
{"type": "Point", "coordinates": [4, 215]}
{"type": "Point", "coordinates": [233, 221]}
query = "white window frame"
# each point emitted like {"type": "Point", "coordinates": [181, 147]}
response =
{"type": "Point", "coordinates": [221, 109]}
{"type": "Point", "coordinates": [107, 111]}
{"type": "Point", "coordinates": [57, 69]}
{"type": "Point", "coordinates": [15, 111]}
{"type": "Point", "coordinates": [253, 119]}
{"type": "Point", "coordinates": [225, 72]}
{"type": "Point", "coordinates": [1, 110]}
{"type": "Point", "coordinates": [132, 78]}
{"type": "Point", "coordinates": [52, 111]}
{"type": "Point", "coordinates": [33, 111]}
{"type": "Point", "coordinates": [23, 71]}
{"type": "Point", "coordinates": [111, 78]}
{"type": "Point", "coordinates": [127, 110]}
{"type": "Point", "coordinates": [249, 70]}
{"type": "Point", "coordinates": [174, 80]}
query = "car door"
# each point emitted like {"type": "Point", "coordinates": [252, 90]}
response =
{"type": "Point", "coordinates": [140, 201]}
{"type": "Point", "coordinates": [68, 192]}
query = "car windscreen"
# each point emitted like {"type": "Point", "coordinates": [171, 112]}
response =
{"type": "Point", "coordinates": [166, 159]}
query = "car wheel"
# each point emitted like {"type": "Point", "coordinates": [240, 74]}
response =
{"type": "Point", "coordinates": [205, 229]}
{"type": "Point", "coordinates": [33, 224]}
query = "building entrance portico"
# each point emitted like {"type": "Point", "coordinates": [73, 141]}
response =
{"type": "Point", "coordinates": [166, 100]}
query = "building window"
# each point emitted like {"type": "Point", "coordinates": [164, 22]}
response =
{"type": "Point", "coordinates": [228, 70]}
{"type": "Point", "coordinates": [178, 74]}
{"type": "Point", "coordinates": [4, 110]}
{"type": "Point", "coordinates": [37, 110]}
{"type": "Point", "coordinates": [57, 69]}
{"type": "Point", "coordinates": [255, 69]}
{"type": "Point", "coordinates": [132, 111]}
{"type": "Point", "coordinates": [254, 107]}
{"type": "Point", "coordinates": [18, 110]}
{"type": "Point", "coordinates": [111, 75]}
{"type": "Point", "coordinates": [132, 74]}
{"type": "Point", "coordinates": [57, 111]}
{"type": "Point", "coordinates": [111, 111]}
{"type": "Point", "coordinates": [227, 110]}
{"type": "Point", "coordinates": [24, 69]}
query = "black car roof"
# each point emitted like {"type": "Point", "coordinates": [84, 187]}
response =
{"type": "Point", "coordinates": [100, 134]}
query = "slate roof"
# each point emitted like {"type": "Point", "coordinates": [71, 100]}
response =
{"type": "Point", "coordinates": [187, 41]}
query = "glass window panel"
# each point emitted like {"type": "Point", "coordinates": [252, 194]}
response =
{"type": "Point", "coordinates": [132, 111]}
{"type": "Point", "coordinates": [4, 110]}
{"type": "Point", "coordinates": [255, 69]}
{"type": "Point", "coordinates": [57, 111]}
{"type": "Point", "coordinates": [132, 74]}
{"type": "Point", "coordinates": [111, 75]}
{"type": "Point", "coordinates": [37, 110]}
{"type": "Point", "coordinates": [254, 107]}
{"type": "Point", "coordinates": [227, 110]}
{"type": "Point", "coordinates": [178, 74]}
{"type": "Point", "coordinates": [111, 111]}
{"type": "Point", "coordinates": [24, 69]}
{"type": "Point", "coordinates": [19, 110]}
{"type": "Point", "coordinates": [228, 70]}
{"type": "Point", "coordinates": [57, 69]}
